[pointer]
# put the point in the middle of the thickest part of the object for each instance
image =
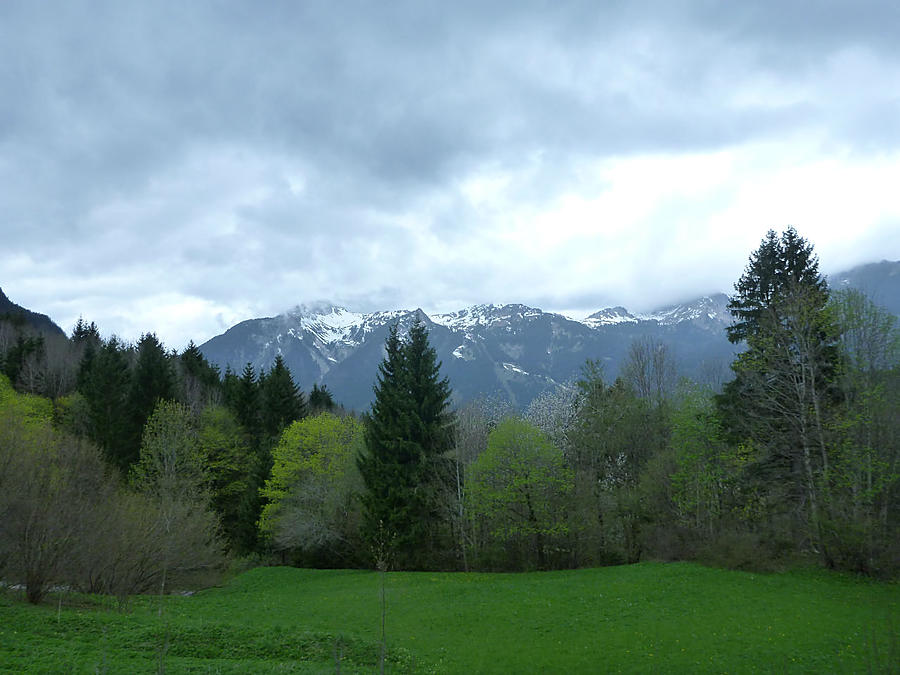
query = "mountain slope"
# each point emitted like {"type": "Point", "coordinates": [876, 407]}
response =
{"type": "Point", "coordinates": [880, 281]}
{"type": "Point", "coordinates": [40, 322]}
{"type": "Point", "coordinates": [510, 351]}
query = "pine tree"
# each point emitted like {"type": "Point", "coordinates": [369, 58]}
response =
{"type": "Point", "coordinates": [779, 401]}
{"type": "Point", "coordinates": [778, 268]}
{"type": "Point", "coordinates": [153, 380]}
{"type": "Point", "coordinates": [245, 401]}
{"type": "Point", "coordinates": [409, 431]}
{"type": "Point", "coordinates": [320, 398]}
{"type": "Point", "coordinates": [105, 381]}
{"type": "Point", "coordinates": [282, 400]}
{"type": "Point", "coordinates": [199, 383]}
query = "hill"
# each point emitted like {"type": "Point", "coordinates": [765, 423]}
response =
{"type": "Point", "coordinates": [39, 322]}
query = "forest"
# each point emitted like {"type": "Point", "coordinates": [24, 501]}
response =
{"type": "Point", "coordinates": [129, 468]}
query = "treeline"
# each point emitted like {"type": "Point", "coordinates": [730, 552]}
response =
{"type": "Point", "coordinates": [796, 460]}
{"type": "Point", "coordinates": [126, 467]}
{"type": "Point", "coordinates": [144, 466]}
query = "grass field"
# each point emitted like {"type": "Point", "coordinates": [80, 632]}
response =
{"type": "Point", "coordinates": [639, 618]}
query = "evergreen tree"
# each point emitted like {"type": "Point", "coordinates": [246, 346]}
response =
{"type": "Point", "coordinates": [778, 268]}
{"type": "Point", "coordinates": [199, 383]}
{"type": "Point", "coordinates": [85, 332]}
{"type": "Point", "coordinates": [783, 389]}
{"type": "Point", "coordinates": [244, 399]}
{"type": "Point", "coordinates": [86, 340]}
{"type": "Point", "coordinates": [104, 382]}
{"type": "Point", "coordinates": [320, 399]}
{"type": "Point", "coordinates": [153, 380]}
{"type": "Point", "coordinates": [408, 433]}
{"type": "Point", "coordinates": [230, 387]}
{"type": "Point", "coordinates": [282, 400]}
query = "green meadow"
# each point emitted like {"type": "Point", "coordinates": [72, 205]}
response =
{"type": "Point", "coordinates": [649, 617]}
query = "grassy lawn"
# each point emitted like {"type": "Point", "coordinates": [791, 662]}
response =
{"type": "Point", "coordinates": [639, 618]}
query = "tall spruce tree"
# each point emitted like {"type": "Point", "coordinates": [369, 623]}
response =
{"type": "Point", "coordinates": [104, 381]}
{"type": "Point", "coordinates": [244, 398]}
{"type": "Point", "coordinates": [282, 400]}
{"type": "Point", "coordinates": [153, 380]}
{"type": "Point", "coordinates": [198, 382]}
{"type": "Point", "coordinates": [404, 466]}
{"type": "Point", "coordinates": [778, 403]}
{"type": "Point", "coordinates": [320, 399]}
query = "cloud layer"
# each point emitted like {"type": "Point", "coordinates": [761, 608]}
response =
{"type": "Point", "coordinates": [178, 167]}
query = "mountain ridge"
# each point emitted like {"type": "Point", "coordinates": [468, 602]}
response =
{"type": "Point", "coordinates": [511, 350]}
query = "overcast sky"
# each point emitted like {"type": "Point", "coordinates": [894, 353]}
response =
{"type": "Point", "coordinates": [179, 167]}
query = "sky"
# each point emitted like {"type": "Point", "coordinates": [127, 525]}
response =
{"type": "Point", "coordinates": [178, 167]}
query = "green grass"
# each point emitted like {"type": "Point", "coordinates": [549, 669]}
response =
{"type": "Point", "coordinates": [639, 618]}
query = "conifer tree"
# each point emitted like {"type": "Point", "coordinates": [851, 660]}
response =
{"type": "Point", "coordinates": [104, 382]}
{"type": "Point", "coordinates": [779, 401]}
{"type": "Point", "coordinates": [409, 431]}
{"type": "Point", "coordinates": [153, 380]}
{"type": "Point", "coordinates": [245, 401]}
{"type": "Point", "coordinates": [199, 383]}
{"type": "Point", "coordinates": [320, 399]}
{"type": "Point", "coordinates": [282, 400]}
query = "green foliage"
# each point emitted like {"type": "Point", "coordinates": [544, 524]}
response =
{"type": "Point", "coordinates": [312, 493]}
{"type": "Point", "coordinates": [705, 468]}
{"type": "Point", "coordinates": [779, 267]}
{"type": "Point", "coordinates": [25, 348]}
{"type": "Point", "coordinates": [51, 487]}
{"type": "Point", "coordinates": [615, 435]}
{"type": "Point", "coordinates": [404, 466]}
{"type": "Point", "coordinates": [198, 381]}
{"type": "Point", "coordinates": [153, 379]}
{"type": "Point", "coordinates": [172, 473]}
{"type": "Point", "coordinates": [104, 381]}
{"type": "Point", "coordinates": [170, 464]}
{"type": "Point", "coordinates": [519, 486]}
{"type": "Point", "coordinates": [229, 461]}
{"type": "Point", "coordinates": [784, 390]}
{"type": "Point", "coordinates": [244, 398]}
{"type": "Point", "coordinates": [32, 410]}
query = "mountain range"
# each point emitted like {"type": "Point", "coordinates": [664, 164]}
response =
{"type": "Point", "coordinates": [512, 351]}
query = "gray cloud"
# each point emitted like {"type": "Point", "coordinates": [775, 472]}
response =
{"type": "Point", "coordinates": [251, 157]}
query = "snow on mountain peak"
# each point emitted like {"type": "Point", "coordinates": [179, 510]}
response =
{"type": "Point", "coordinates": [332, 324]}
{"type": "Point", "coordinates": [484, 315]}
{"type": "Point", "coordinates": [609, 316]}
{"type": "Point", "coordinates": [712, 307]}
{"type": "Point", "coordinates": [327, 321]}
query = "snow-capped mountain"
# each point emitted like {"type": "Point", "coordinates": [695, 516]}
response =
{"type": "Point", "coordinates": [610, 316]}
{"type": "Point", "coordinates": [513, 351]}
